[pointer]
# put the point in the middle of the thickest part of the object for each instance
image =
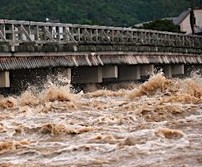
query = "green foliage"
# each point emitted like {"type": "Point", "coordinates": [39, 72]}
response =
{"type": "Point", "coordinates": [102, 12]}
{"type": "Point", "coordinates": [161, 25]}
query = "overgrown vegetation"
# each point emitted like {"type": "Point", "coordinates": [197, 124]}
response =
{"type": "Point", "coordinates": [161, 25]}
{"type": "Point", "coordinates": [102, 12]}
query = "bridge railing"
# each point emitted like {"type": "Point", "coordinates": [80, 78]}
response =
{"type": "Point", "coordinates": [14, 33]}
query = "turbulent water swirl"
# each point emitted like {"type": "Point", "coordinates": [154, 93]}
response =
{"type": "Point", "coordinates": [156, 123]}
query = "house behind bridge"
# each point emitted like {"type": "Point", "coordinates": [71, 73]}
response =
{"type": "Point", "coordinates": [183, 21]}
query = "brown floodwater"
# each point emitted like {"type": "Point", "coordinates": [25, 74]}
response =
{"type": "Point", "coordinates": [157, 123]}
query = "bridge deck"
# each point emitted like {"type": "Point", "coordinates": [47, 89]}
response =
{"type": "Point", "coordinates": [15, 33]}
{"type": "Point", "coordinates": [28, 44]}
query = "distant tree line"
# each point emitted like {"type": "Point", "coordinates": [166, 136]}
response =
{"type": "Point", "coordinates": [102, 12]}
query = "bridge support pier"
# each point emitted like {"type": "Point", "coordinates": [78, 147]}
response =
{"type": "Point", "coordinates": [146, 70]}
{"type": "Point", "coordinates": [4, 79]}
{"type": "Point", "coordinates": [86, 75]}
{"type": "Point", "coordinates": [191, 69]}
{"type": "Point", "coordinates": [110, 72]}
{"type": "Point", "coordinates": [66, 72]}
{"type": "Point", "coordinates": [167, 69]}
{"type": "Point", "coordinates": [177, 69]}
{"type": "Point", "coordinates": [129, 73]}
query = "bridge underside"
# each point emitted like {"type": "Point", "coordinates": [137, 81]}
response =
{"type": "Point", "coordinates": [51, 59]}
{"type": "Point", "coordinates": [82, 68]}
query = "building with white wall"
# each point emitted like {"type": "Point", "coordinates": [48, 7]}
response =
{"type": "Point", "coordinates": [183, 20]}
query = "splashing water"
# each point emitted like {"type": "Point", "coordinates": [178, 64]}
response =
{"type": "Point", "coordinates": [157, 123]}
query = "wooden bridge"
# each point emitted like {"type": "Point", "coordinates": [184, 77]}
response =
{"type": "Point", "coordinates": [93, 54]}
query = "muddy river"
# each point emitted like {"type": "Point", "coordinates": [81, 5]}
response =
{"type": "Point", "coordinates": [157, 123]}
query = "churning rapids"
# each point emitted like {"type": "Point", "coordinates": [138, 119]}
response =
{"type": "Point", "coordinates": [157, 123]}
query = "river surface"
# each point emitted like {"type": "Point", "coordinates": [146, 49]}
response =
{"type": "Point", "coordinates": [157, 124]}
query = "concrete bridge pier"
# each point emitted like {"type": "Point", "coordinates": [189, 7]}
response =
{"type": "Point", "coordinates": [190, 69]}
{"type": "Point", "coordinates": [4, 79]}
{"type": "Point", "coordinates": [167, 70]}
{"type": "Point", "coordinates": [109, 72]}
{"type": "Point", "coordinates": [146, 70]}
{"type": "Point", "coordinates": [177, 69]}
{"type": "Point", "coordinates": [129, 72]}
{"type": "Point", "coordinates": [86, 75]}
{"type": "Point", "coordinates": [172, 70]}
{"type": "Point", "coordinates": [66, 73]}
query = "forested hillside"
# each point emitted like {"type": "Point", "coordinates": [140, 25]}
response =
{"type": "Point", "coordinates": [102, 12]}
